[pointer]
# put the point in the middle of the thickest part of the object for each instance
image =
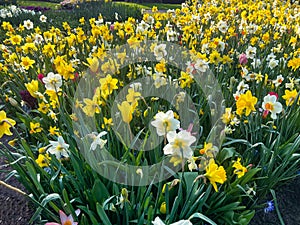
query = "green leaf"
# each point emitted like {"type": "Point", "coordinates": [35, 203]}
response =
{"type": "Point", "coordinates": [202, 217]}
{"type": "Point", "coordinates": [225, 153]}
{"type": "Point", "coordinates": [99, 191]}
{"type": "Point", "coordinates": [67, 201]}
{"type": "Point", "coordinates": [104, 218]}
{"type": "Point", "coordinates": [189, 178]}
{"type": "Point", "coordinates": [246, 217]}
{"type": "Point", "coordinates": [45, 201]}
{"type": "Point", "coordinates": [34, 176]}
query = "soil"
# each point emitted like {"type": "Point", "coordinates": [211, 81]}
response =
{"type": "Point", "coordinates": [16, 209]}
{"type": "Point", "coordinates": [288, 198]}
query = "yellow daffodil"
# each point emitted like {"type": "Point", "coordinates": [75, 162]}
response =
{"type": "Point", "coordinates": [54, 131]}
{"type": "Point", "coordinates": [26, 62]}
{"type": "Point", "coordinates": [43, 107]}
{"type": "Point", "coordinates": [35, 128]}
{"type": "Point", "coordinates": [290, 96]}
{"type": "Point", "coordinates": [108, 84]}
{"type": "Point", "coordinates": [5, 124]}
{"type": "Point", "coordinates": [227, 116]}
{"type": "Point", "coordinates": [215, 174]}
{"type": "Point", "coordinates": [43, 160]}
{"type": "Point", "coordinates": [246, 102]}
{"type": "Point", "coordinates": [163, 208]}
{"type": "Point", "coordinates": [91, 107]}
{"type": "Point", "coordinates": [126, 110]}
{"type": "Point", "coordinates": [240, 170]}
{"type": "Point", "coordinates": [132, 95]}
{"type": "Point", "coordinates": [294, 63]}
{"type": "Point", "coordinates": [15, 39]}
{"type": "Point", "coordinates": [32, 88]}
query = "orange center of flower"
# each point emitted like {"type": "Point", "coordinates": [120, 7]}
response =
{"type": "Point", "coordinates": [269, 106]}
{"type": "Point", "coordinates": [68, 222]}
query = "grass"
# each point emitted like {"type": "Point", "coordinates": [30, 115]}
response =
{"type": "Point", "coordinates": [38, 3]}
{"type": "Point", "coordinates": [52, 5]}
{"type": "Point", "coordinates": [160, 6]}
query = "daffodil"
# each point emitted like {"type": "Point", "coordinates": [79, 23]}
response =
{"type": "Point", "coordinates": [160, 51]}
{"type": "Point", "coordinates": [132, 95]}
{"type": "Point", "coordinates": [179, 144]}
{"type": "Point", "coordinates": [215, 174]}
{"type": "Point", "coordinates": [208, 149]}
{"type": "Point", "coordinates": [108, 84]}
{"type": "Point", "coordinates": [227, 116]}
{"type": "Point", "coordinates": [240, 170]}
{"type": "Point", "coordinates": [165, 122]}
{"type": "Point", "coordinates": [5, 124]}
{"type": "Point", "coordinates": [58, 148]}
{"type": "Point", "coordinates": [43, 160]}
{"type": "Point", "coordinates": [290, 96]}
{"type": "Point", "coordinates": [26, 62]}
{"type": "Point", "coordinates": [35, 128]}
{"type": "Point", "coordinates": [93, 64]}
{"type": "Point", "coordinates": [294, 63]}
{"type": "Point", "coordinates": [33, 88]}
{"type": "Point", "coordinates": [126, 110]}
{"type": "Point", "coordinates": [54, 131]}
{"type": "Point", "coordinates": [92, 106]}
{"type": "Point", "coordinates": [246, 102]}
{"type": "Point", "coordinates": [53, 82]}
{"type": "Point", "coordinates": [270, 104]}
{"type": "Point", "coordinates": [97, 140]}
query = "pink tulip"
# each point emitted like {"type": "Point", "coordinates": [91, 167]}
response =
{"type": "Point", "coordinates": [64, 219]}
{"type": "Point", "coordinates": [243, 59]}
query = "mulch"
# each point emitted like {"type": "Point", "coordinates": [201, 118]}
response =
{"type": "Point", "coordinates": [15, 209]}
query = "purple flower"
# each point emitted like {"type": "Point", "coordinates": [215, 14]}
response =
{"type": "Point", "coordinates": [270, 207]}
{"type": "Point", "coordinates": [28, 99]}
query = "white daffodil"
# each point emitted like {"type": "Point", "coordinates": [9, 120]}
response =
{"type": "Point", "coordinates": [171, 35]}
{"type": "Point", "coordinates": [158, 221]}
{"type": "Point", "coordinates": [273, 63]}
{"type": "Point", "coordinates": [278, 81]}
{"type": "Point", "coordinates": [159, 79]}
{"type": "Point", "coordinates": [53, 81]}
{"type": "Point", "coordinates": [242, 87]}
{"type": "Point", "coordinates": [142, 27]}
{"type": "Point", "coordinates": [222, 26]}
{"type": "Point", "coordinates": [43, 18]}
{"type": "Point", "coordinates": [165, 122]}
{"type": "Point", "coordinates": [270, 104]}
{"type": "Point", "coordinates": [160, 51]}
{"type": "Point", "coordinates": [28, 24]}
{"type": "Point", "coordinates": [201, 65]}
{"type": "Point", "coordinates": [179, 144]}
{"type": "Point", "coordinates": [97, 140]}
{"type": "Point", "coordinates": [58, 148]}
{"type": "Point", "coordinates": [256, 63]}
{"type": "Point", "coordinates": [251, 52]}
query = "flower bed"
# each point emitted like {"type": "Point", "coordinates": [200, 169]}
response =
{"type": "Point", "coordinates": [188, 116]}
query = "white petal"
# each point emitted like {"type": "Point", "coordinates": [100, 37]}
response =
{"type": "Point", "coordinates": [182, 222]}
{"type": "Point", "coordinates": [277, 107]}
{"type": "Point", "coordinates": [168, 149]}
{"type": "Point", "coordinates": [171, 135]}
{"type": "Point", "coordinates": [158, 221]}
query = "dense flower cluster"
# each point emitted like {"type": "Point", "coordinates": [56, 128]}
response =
{"type": "Point", "coordinates": [251, 48]}
{"type": "Point", "coordinates": [13, 11]}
